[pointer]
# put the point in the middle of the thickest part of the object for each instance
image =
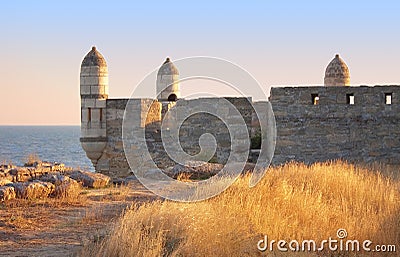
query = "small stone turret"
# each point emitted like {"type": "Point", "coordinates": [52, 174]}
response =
{"type": "Point", "coordinates": [337, 73]}
{"type": "Point", "coordinates": [168, 82]}
{"type": "Point", "coordinates": [94, 93]}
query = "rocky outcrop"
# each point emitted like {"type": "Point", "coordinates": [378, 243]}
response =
{"type": "Point", "coordinates": [33, 190]}
{"type": "Point", "coordinates": [90, 179]}
{"type": "Point", "coordinates": [197, 170]}
{"type": "Point", "coordinates": [201, 170]}
{"type": "Point", "coordinates": [6, 193]}
{"type": "Point", "coordinates": [34, 171]}
{"type": "Point", "coordinates": [44, 179]}
{"type": "Point", "coordinates": [66, 187]}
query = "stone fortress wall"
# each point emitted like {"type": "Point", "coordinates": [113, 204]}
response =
{"type": "Point", "coordinates": [335, 128]}
{"type": "Point", "coordinates": [366, 131]}
{"type": "Point", "coordinates": [113, 161]}
{"type": "Point", "coordinates": [335, 121]}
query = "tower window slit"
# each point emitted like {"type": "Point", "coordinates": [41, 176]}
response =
{"type": "Point", "coordinates": [101, 117]}
{"type": "Point", "coordinates": [350, 99]}
{"type": "Point", "coordinates": [314, 99]}
{"type": "Point", "coordinates": [89, 114]}
{"type": "Point", "coordinates": [388, 98]}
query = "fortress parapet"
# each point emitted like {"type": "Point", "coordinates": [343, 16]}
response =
{"type": "Point", "coordinates": [357, 124]}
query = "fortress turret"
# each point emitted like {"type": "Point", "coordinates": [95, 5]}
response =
{"type": "Point", "coordinates": [168, 82]}
{"type": "Point", "coordinates": [337, 73]}
{"type": "Point", "coordinates": [94, 93]}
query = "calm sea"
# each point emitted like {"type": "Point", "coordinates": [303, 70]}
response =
{"type": "Point", "coordinates": [49, 143]}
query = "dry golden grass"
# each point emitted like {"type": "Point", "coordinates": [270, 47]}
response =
{"type": "Point", "coordinates": [31, 159]}
{"type": "Point", "coordinates": [293, 202]}
{"type": "Point", "coordinates": [73, 197]}
{"type": "Point", "coordinates": [114, 193]}
{"type": "Point", "coordinates": [184, 177]}
{"type": "Point", "coordinates": [28, 214]}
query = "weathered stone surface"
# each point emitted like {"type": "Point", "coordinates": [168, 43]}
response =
{"type": "Point", "coordinates": [337, 73]}
{"type": "Point", "coordinates": [364, 132]}
{"type": "Point", "coordinates": [92, 59]}
{"type": "Point", "coordinates": [7, 193]}
{"type": "Point", "coordinates": [66, 187]}
{"type": "Point", "coordinates": [124, 181]}
{"type": "Point", "coordinates": [196, 170]}
{"type": "Point", "coordinates": [31, 171]}
{"type": "Point", "coordinates": [90, 179]}
{"type": "Point", "coordinates": [21, 174]}
{"type": "Point", "coordinates": [36, 180]}
{"type": "Point", "coordinates": [33, 190]}
{"type": "Point", "coordinates": [52, 178]}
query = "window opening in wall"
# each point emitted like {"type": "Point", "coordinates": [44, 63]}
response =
{"type": "Point", "coordinates": [388, 98]}
{"type": "Point", "coordinates": [89, 114]}
{"type": "Point", "coordinates": [101, 117]}
{"type": "Point", "coordinates": [172, 98]}
{"type": "Point", "coordinates": [350, 98]}
{"type": "Point", "coordinates": [314, 99]}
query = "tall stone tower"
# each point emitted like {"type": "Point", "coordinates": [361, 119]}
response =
{"type": "Point", "coordinates": [168, 82]}
{"type": "Point", "coordinates": [94, 93]}
{"type": "Point", "coordinates": [337, 73]}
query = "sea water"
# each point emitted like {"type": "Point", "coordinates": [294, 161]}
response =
{"type": "Point", "coordinates": [49, 143]}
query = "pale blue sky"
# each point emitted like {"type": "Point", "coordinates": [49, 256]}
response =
{"type": "Point", "coordinates": [280, 42]}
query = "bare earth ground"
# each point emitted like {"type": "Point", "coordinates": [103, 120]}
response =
{"type": "Point", "coordinates": [48, 228]}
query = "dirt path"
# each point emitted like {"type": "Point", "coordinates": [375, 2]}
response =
{"type": "Point", "coordinates": [48, 228]}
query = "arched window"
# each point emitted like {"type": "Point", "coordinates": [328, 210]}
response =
{"type": "Point", "coordinates": [172, 98]}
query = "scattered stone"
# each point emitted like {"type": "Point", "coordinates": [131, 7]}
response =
{"type": "Point", "coordinates": [51, 166]}
{"type": "Point", "coordinates": [4, 182]}
{"type": "Point", "coordinates": [66, 187]}
{"type": "Point", "coordinates": [38, 179]}
{"type": "Point", "coordinates": [31, 172]}
{"type": "Point", "coordinates": [196, 170]}
{"type": "Point", "coordinates": [33, 190]}
{"type": "Point", "coordinates": [90, 179]}
{"type": "Point", "coordinates": [6, 193]}
{"type": "Point", "coordinates": [20, 174]}
{"type": "Point", "coordinates": [124, 181]}
{"type": "Point", "coordinates": [52, 178]}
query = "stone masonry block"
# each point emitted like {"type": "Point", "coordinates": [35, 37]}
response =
{"type": "Point", "coordinates": [84, 114]}
{"type": "Point", "coordinates": [103, 80]}
{"type": "Point", "coordinates": [91, 80]}
{"type": "Point", "coordinates": [100, 103]}
{"type": "Point", "coordinates": [85, 71]}
{"type": "Point", "coordinates": [85, 90]}
{"type": "Point", "coordinates": [89, 103]}
{"type": "Point", "coordinates": [95, 114]}
{"type": "Point", "coordinates": [94, 70]}
{"type": "Point", "coordinates": [111, 114]}
{"type": "Point", "coordinates": [95, 90]}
